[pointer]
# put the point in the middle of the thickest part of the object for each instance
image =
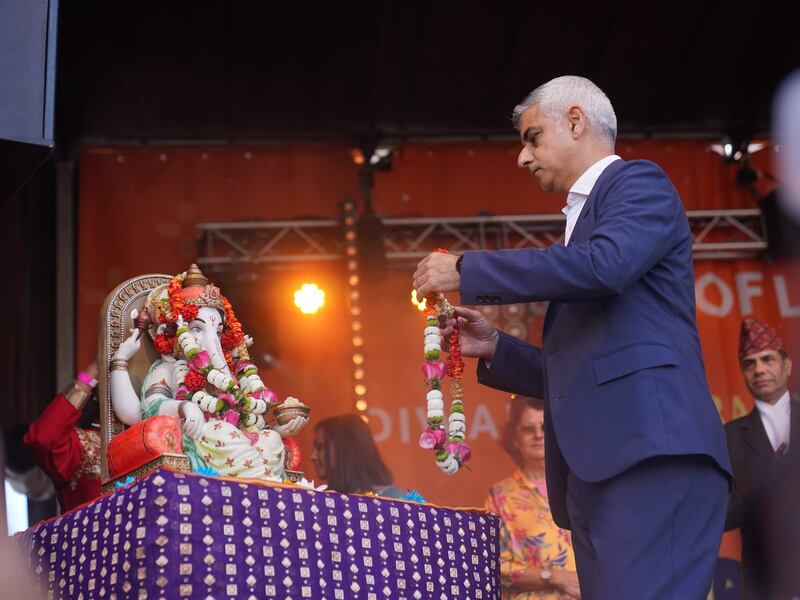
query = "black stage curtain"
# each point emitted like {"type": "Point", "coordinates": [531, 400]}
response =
{"type": "Point", "coordinates": [27, 299]}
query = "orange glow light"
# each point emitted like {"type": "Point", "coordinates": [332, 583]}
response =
{"type": "Point", "coordinates": [420, 305]}
{"type": "Point", "coordinates": [309, 298]}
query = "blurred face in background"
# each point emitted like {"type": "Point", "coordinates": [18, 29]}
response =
{"type": "Point", "coordinates": [318, 455]}
{"type": "Point", "coordinates": [529, 437]}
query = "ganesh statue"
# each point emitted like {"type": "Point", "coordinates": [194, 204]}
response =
{"type": "Point", "coordinates": [231, 422]}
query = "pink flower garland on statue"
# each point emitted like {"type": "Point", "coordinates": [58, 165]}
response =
{"type": "Point", "coordinates": [451, 450]}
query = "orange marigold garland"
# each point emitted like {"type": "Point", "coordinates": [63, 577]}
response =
{"type": "Point", "coordinates": [450, 448]}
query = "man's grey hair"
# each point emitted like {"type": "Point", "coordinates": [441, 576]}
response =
{"type": "Point", "coordinates": [558, 95]}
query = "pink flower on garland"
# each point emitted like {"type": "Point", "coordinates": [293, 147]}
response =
{"type": "Point", "coordinates": [229, 400]}
{"type": "Point", "coordinates": [201, 362]}
{"type": "Point", "coordinates": [459, 450]}
{"type": "Point", "coordinates": [232, 417]}
{"type": "Point", "coordinates": [266, 394]}
{"type": "Point", "coordinates": [433, 370]}
{"type": "Point", "coordinates": [242, 365]}
{"type": "Point", "coordinates": [432, 438]}
{"type": "Point", "coordinates": [182, 393]}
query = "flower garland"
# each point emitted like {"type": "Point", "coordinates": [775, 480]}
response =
{"type": "Point", "coordinates": [242, 399]}
{"type": "Point", "coordinates": [451, 450]}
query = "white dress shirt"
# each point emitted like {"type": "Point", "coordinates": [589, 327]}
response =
{"type": "Point", "coordinates": [777, 420]}
{"type": "Point", "coordinates": [581, 190]}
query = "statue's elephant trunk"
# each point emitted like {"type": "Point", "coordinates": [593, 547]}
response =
{"type": "Point", "coordinates": [218, 357]}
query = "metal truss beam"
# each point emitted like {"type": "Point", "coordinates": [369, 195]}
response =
{"type": "Point", "coordinates": [716, 235]}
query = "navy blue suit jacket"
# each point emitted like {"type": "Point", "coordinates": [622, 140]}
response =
{"type": "Point", "coordinates": [620, 366]}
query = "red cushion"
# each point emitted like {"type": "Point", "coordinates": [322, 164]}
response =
{"type": "Point", "coordinates": [142, 442]}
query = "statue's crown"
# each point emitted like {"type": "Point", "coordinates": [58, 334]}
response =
{"type": "Point", "coordinates": [198, 291]}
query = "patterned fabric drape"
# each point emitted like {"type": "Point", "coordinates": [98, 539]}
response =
{"type": "Point", "coordinates": [174, 535]}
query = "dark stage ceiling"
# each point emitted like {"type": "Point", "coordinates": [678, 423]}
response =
{"type": "Point", "coordinates": [237, 71]}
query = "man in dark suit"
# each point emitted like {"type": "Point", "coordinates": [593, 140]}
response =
{"type": "Point", "coordinates": [636, 461]}
{"type": "Point", "coordinates": [759, 445]}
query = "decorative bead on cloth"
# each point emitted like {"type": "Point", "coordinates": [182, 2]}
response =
{"type": "Point", "coordinates": [756, 336]}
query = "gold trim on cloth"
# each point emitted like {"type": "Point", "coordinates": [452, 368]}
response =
{"type": "Point", "coordinates": [175, 462]}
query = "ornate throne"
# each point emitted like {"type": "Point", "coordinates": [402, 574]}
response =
{"type": "Point", "coordinates": [115, 326]}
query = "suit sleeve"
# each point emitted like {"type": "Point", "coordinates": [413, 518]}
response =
{"type": "Point", "coordinates": [738, 498]}
{"type": "Point", "coordinates": [516, 368]}
{"type": "Point", "coordinates": [636, 225]}
{"type": "Point", "coordinates": [53, 441]}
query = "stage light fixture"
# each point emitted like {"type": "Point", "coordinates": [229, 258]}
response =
{"type": "Point", "coordinates": [732, 151]}
{"type": "Point", "coordinates": [362, 405]}
{"type": "Point", "coordinates": [309, 298]}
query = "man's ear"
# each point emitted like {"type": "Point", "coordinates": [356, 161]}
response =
{"type": "Point", "coordinates": [577, 121]}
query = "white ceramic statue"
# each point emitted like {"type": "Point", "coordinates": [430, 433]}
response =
{"type": "Point", "coordinates": [205, 377]}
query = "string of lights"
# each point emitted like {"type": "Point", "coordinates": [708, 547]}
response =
{"type": "Point", "coordinates": [354, 302]}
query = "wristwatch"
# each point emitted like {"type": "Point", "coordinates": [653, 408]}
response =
{"type": "Point", "coordinates": [545, 575]}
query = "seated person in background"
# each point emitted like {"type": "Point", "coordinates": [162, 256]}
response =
{"type": "Point", "coordinates": [536, 557]}
{"type": "Point", "coordinates": [346, 458]}
{"type": "Point", "coordinates": [66, 445]}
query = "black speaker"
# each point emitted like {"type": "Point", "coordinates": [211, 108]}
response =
{"type": "Point", "coordinates": [27, 88]}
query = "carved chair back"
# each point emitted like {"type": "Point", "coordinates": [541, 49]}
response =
{"type": "Point", "coordinates": [115, 326]}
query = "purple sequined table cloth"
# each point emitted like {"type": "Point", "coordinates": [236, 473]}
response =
{"type": "Point", "coordinates": [174, 535]}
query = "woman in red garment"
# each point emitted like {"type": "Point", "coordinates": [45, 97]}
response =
{"type": "Point", "coordinates": [70, 455]}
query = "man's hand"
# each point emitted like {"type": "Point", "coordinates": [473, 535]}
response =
{"type": "Point", "coordinates": [478, 336]}
{"type": "Point", "coordinates": [436, 273]}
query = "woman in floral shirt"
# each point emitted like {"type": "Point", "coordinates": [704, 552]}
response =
{"type": "Point", "coordinates": [536, 558]}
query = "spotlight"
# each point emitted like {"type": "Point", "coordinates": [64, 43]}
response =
{"type": "Point", "coordinates": [309, 298]}
{"type": "Point", "coordinates": [732, 151]}
{"type": "Point", "coordinates": [419, 304]}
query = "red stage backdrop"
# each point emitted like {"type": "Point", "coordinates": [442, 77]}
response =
{"type": "Point", "coordinates": [138, 208]}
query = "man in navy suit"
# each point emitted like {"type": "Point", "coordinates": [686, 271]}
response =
{"type": "Point", "coordinates": [636, 460]}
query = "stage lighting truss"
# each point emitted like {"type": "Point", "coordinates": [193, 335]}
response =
{"type": "Point", "coordinates": [716, 234]}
